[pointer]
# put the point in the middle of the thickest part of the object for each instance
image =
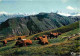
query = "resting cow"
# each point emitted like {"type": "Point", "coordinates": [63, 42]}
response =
{"type": "Point", "coordinates": [4, 42]}
{"type": "Point", "coordinates": [36, 39]}
{"type": "Point", "coordinates": [54, 35]}
{"type": "Point", "coordinates": [19, 38]}
{"type": "Point", "coordinates": [27, 42]}
{"type": "Point", "coordinates": [43, 40]}
{"type": "Point", "coordinates": [24, 42]}
{"type": "Point", "coordinates": [51, 35]}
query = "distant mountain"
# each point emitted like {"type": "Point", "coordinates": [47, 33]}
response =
{"type": "Point", "coordinates": [4, 17]}
{"type": "Point", "coordinates": [35, 23]}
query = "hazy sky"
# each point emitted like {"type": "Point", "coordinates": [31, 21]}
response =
{"type": "Point", "coordinates": [37, 6]}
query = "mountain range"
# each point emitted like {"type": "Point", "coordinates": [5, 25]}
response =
{"type": "Point", "coordinates": [32, 24]}
{"type": "Point", "coordinates": [4, 17]}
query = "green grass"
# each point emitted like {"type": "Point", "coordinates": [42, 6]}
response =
{"type": "Point", "coordinates": [38, 49]}
{"type": "Point", "coordinates": [70, 33]}
{"type": "Point", "coordinates": [43, 50]}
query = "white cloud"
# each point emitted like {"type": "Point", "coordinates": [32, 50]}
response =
{"type": "Point", "coordinates": [64, 1]}
{"type": "Point", "coordinates": [64, 14]}
{"type": "Point", "coordinates": [3, 12]}
{"type": "Point", "coordinates": [76, 15]}
{"type": "Point", "coordinates": [69, 14]}
{"type": "Point", "coordinates": [70, 8]}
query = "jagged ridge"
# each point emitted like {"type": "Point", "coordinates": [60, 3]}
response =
{"type": "Point", "coordinates": [35, 23]}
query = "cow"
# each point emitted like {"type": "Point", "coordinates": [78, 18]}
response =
{"type": "Point", "coordinates": [43, 40]}
{"type": "Point", "coordinates": [4, 42]}
{"type": "Point", "coordinates": [54, 35]}
{"type": "Point", "coordinates": [27, 42]}
{"type": "Point", "coordinates": [19, 38]}
{"type": "Point", "coordinates": [39, 38]}
{"type": "Point", "coordinates": [19, 43]}
{"type": "Point", "coordinates": [35, 38]}
{"type": "Point", "coordinates": [50, 35]}
{"type": "Point", "coordinates": [23, 42]}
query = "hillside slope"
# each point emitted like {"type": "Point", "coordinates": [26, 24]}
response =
{"type": "Point", "coordinates": [62, 29]}
{"type": "Point", "coordinates": [34, 24]}
{"type": "Point", "coordinates": [58, 46]}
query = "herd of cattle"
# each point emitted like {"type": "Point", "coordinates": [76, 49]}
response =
{"type": "Point", "coordinates": [42, 40]}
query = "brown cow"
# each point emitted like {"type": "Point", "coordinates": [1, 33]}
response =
{"type": "Point", "coordinates": [27, 42]}
{"type": "Point", "coordinates": [43, 40]}
{"type": "Point", "coordinates": [19, 38]}
{"type": "Point", "coordinates": [59, 33]}
{"type": "Point", "coordinates": [19, 43]}
{"type": "Point", "coordinates": [50, 35]}
{"type": "Point", "coordinates": [36, 39]}
{"type": "Point", "coordinates": [4, 42]}
{"type": "Point", "coordinates": [24, 42]}
{"type": "Point", "coordinates": [54, 35]}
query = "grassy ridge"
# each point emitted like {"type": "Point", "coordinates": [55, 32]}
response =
{"type": "Point", "coordinates": [61, 29]}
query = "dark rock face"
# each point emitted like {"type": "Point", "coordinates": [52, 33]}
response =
{"type": "Point", "coordinates": [34, 23]}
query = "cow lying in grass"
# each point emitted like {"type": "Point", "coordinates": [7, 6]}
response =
{"type": "Point", "coordinates": [37, 38]}
{"type": "Point", "coordinates": [19, 38]}
{"type": "Point", "coordinates": [4, 42]}
{"type": "Point", "coordinates": [23, 42]}
{"type": "Point", "coordinates": [43, 40]}
{"type": "Point", "coordinates": [53, 35]}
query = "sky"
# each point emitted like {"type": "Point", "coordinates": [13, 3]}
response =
{"type": "Point", "coordinates": [37, 6]}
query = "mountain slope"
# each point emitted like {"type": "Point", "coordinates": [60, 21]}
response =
{"type": "Point", "coordinates": [34, 23]}
{"type": "Point", "coordinates": [62, 29]}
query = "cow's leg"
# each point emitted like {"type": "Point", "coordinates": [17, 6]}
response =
{"type": "Point", "coordinates": [25, 44]}
{"type": "Point", "coordinates": [56, 36]}
{"type": "Point", "coordinates": [46, 42]}
{"type": "Point", "coordinates": [43, 42]}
